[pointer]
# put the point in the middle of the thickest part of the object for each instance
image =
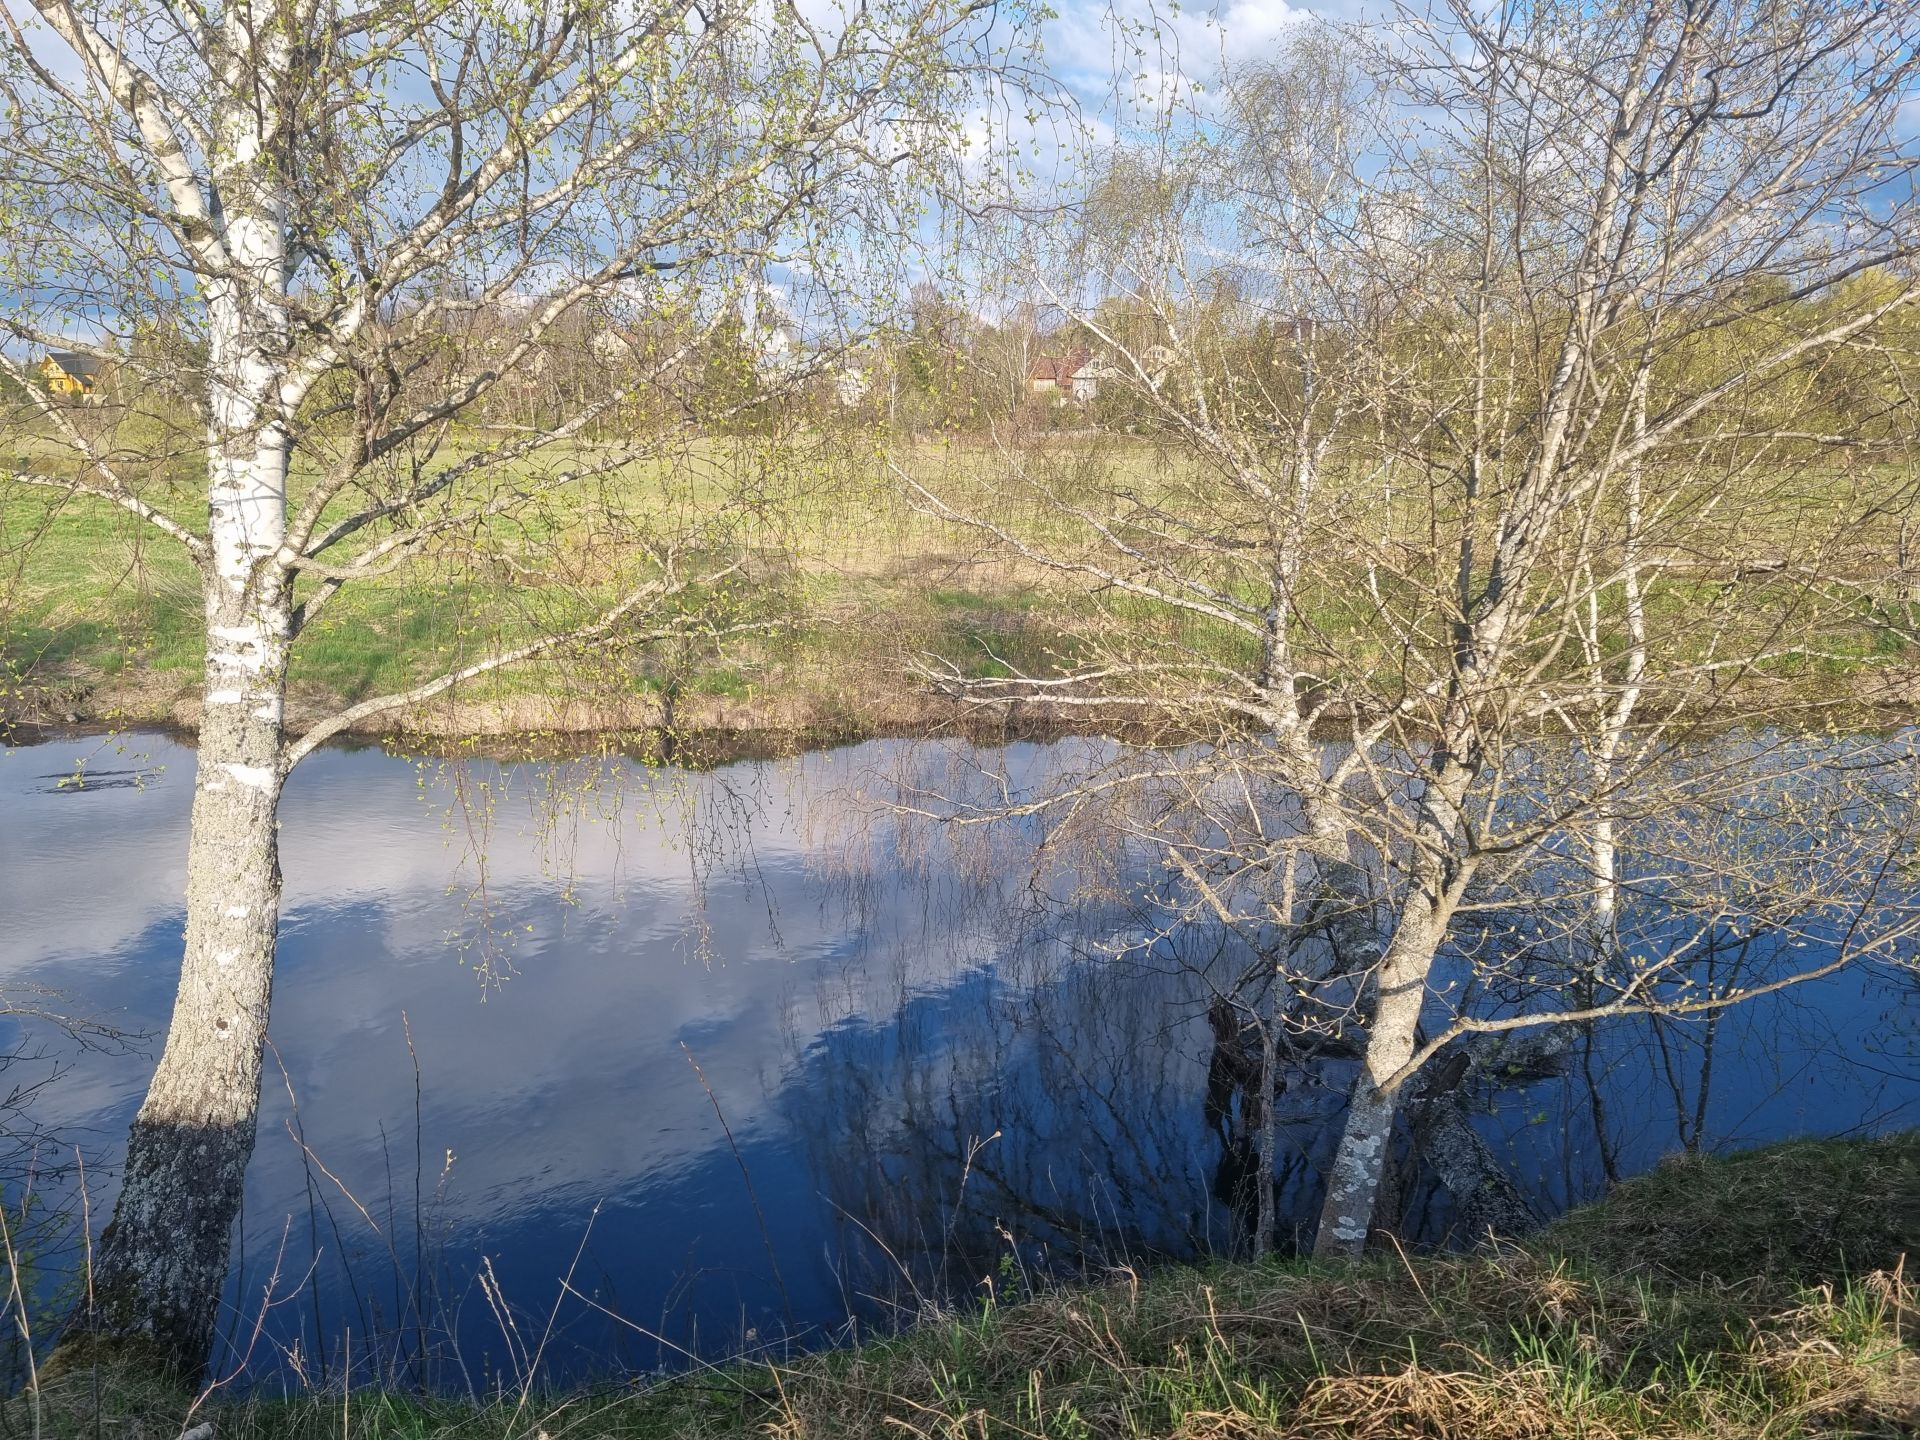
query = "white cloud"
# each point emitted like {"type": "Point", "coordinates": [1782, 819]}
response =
{"type": "Point", "coordinates": [749, 969]}
{"type": "Point", "coordinates": [1098, 42]}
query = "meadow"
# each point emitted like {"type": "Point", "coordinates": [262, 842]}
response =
{"type": "Point", "coordinates": [843, 590]}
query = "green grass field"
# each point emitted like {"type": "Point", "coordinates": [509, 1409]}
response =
{"type": "Point", "coordinates": [846, 585]}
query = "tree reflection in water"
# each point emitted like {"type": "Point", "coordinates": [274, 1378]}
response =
{"type": "Point", "coordinates": [1088, 1092]}
{"type": "Point", "coordinates": [951, 1060]}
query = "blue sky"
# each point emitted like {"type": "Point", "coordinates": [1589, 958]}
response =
{"type": "Point", "coordinates": [1083, 42]}
{"type": "Point", "coordinates": [1110, 53]}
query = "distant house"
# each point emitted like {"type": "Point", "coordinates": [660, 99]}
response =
{"type": "Point", "coordinates": [851, 384]}
{"type": "Point", "coordinates": [1075, 375]}
{"type": "Point", "coordinates": [1085, 381]}
{"type": "Point", "coordinates": [1062, 375]}
{"type": "Point", "coordinates": [65, 372]}
{"type": "Point", "coordinates": [610, 347]}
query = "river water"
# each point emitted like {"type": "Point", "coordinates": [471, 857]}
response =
{"type": "Point", "coordinates": [588, 1067]}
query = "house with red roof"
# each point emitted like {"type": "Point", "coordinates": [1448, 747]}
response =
{"type": "Point", "coordinates": [1075, 374]}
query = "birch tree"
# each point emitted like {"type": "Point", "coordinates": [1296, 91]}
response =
{"type": "Point", "coordinates": [319, 209]}
{"type": "Point", "coordinates": [1481, 399]}
{"type": "Point", "coordinates": [1639, 180]}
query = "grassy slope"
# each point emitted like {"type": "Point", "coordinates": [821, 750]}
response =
{"type": "Point", "coordinates": [100, 619]}
{"type": "Point", "coordinates": [1760, 1295]}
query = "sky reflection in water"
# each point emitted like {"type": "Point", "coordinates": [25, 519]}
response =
{"type": "Point", "coordinates": [907, 1065]}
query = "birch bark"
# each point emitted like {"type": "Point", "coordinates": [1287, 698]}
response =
{"type": "Point", "coordinates": [163, 1257]}
{"type": "Point", "coordinates": [1438, 877]}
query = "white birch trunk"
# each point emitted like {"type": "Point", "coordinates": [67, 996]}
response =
{"type": "Point", "coordinates": [1614, 727]}
{"type": "Point", "coordinates": [1360, 1159]}
{"type": "Point", "coordinates": [163, 1258]}
{"type": "Point", "coordinates": [1265, 1219]}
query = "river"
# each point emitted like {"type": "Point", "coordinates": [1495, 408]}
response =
{"type": "Point", "coordinates": [589, 1067]}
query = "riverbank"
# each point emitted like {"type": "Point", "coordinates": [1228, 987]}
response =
{"type": "Point", "coordinates": [854, 680]}
{"type": "Point", "coordinates": [1762, 1294]}
{"type": "Point", "coordinates": [715, 719]}
{"type": "Point", "coordinates": [849, 596]}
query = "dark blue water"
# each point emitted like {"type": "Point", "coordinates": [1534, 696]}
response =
{"type": "Point", "coordinates": [911, 1086]}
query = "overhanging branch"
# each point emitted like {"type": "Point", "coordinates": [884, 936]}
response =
{"type": "Point", "coordinates": [600, 629]}
{"type": "Point", "coordinates": [194, 544]}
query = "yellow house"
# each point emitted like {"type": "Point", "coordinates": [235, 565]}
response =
{"type": "Point", "coordinates": [66, 373]}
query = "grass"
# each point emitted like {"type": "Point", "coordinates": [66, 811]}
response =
{"type": "Point", "coordinates": [1801, 1212]}
{"type": "Point", "coordinates": [1762, 1295]}
{"type": "Point", "coordinates": [100, 619]}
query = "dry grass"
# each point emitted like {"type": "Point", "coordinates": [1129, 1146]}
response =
{"type": "Point", "coordinates": [1803, 1211]}
{"type": "Point", "coordinates": [1567, 1335]}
